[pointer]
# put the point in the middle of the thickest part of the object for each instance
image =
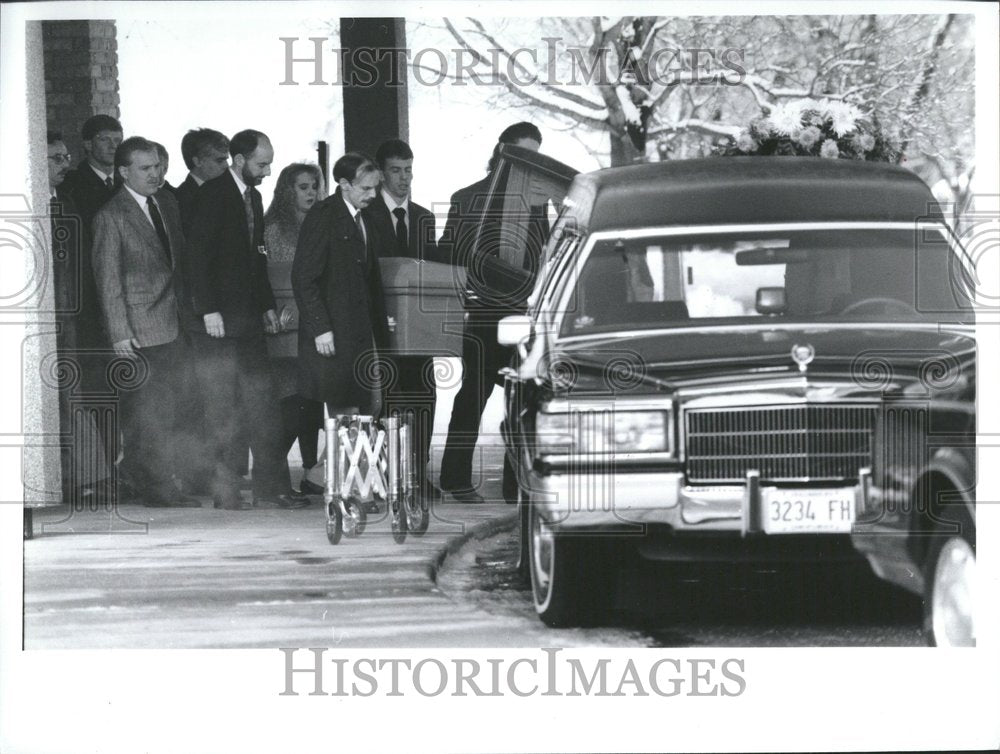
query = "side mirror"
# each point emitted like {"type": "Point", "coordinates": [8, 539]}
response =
{"type": "Point", "coordinates": [771, 301]}
{"type": "Point", "coordinates": [514, 330]}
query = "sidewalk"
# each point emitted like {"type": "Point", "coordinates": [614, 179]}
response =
{"type": "Point", "coordinates": [188, 577]}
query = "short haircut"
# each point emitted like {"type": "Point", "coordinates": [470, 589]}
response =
{"type": "Point", "coordinates": [97, 123]}
{"type": "Point", "coordinates": [53, 136]}
{"type": "Point", "coordinates": [161, 150]}
{"type": "Point", "coordinates": [246, 142]}
{"type": "Point", "coordinates": [393, 149]}
{"type": "Point", "coordinates": [352, 166]}
{"type": "Point", "coordinates": [518, 131]}
{"type": "Point", "coordinates": [131, 145]}
{"type": "Point", "coordinates": [198, 141]}
{"type": "Point", "coordinates": [511, 135]}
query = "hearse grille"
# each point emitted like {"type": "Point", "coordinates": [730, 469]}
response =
{"type": "Point", "coordinates": [784, 443]}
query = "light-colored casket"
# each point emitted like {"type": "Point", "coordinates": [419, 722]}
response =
{"type": "Point", "coordinates": [425, 300]}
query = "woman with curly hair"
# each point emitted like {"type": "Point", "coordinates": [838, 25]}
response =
{"type": "Point", "coordinates": [299, 187]}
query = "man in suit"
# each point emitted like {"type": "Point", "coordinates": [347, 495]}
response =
{"type": "Point", "coordinates": [230, 306]}
{"type": "Point", "coordinates": [78, 313]}
{"type": "Point", "coordinates": [405, 229]}
{"type": "Point", "coordinates": [92, 183]}
{"type": "Point", "coordinates": [137, 241]}
{"type": "Point", "coordinates": [482, 356]}
{"type": "Point", "coordinates": [338, 289]}
{"type": "Point", "coordinates": [164, 155]}
{"type": "Point", "coordinates": [206, 154]}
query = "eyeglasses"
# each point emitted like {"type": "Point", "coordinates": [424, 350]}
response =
{"type": "Point", "coordinates": [60, 158]}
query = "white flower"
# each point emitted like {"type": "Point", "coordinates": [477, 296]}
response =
{"type": "Point", "coordinates": [829, 149]}
{"type": "Point", "coordinates": [787, 117]}
{"type": "Point", "coordinates": [864, 142]}
{"type": "Point", "coordinates": [843, 117]}
{"type": "Point", "coordinates": [808, 136]}
{"type": "Point", "coordinates": [746, 143]}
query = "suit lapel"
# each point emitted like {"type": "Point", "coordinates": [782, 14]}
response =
{"type": "Point", "coordinates": [137, 219]}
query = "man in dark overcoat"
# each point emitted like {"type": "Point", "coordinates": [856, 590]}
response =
{"type": "Point", "coordinates": [338, 289]}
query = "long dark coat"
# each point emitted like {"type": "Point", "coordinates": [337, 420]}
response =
{"type": "Point", "coordinates": [338, 288]}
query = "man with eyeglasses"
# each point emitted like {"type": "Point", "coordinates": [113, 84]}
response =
{"type": "Point", "coordinates": [81, 333]}
{"type": "Point", "coordinates": [93, 181]}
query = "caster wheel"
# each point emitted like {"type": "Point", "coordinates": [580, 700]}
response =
{"type": "Point", "coordinates": [334, 523]}
{"type": "Point", "coordinates": [417, 514]}
{"type": "Point", "coordinates": [398, 523]}
{"type": "Point", "coordinates": [356, 520]}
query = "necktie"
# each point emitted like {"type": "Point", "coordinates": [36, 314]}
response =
{"type": "Point", "coordinates": [361, 228]}
{"type": "Point", "coordinates": [161, 231]}
{"type": "Point", "coordinates": [109, 182]}
{"type": "Point", "coordinates": [248, 209]}
{"type": "Point", "coordinates": [402, 239]}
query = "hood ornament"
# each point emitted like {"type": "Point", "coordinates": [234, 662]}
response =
{"type": "Point", "coordinates": [803, 355]}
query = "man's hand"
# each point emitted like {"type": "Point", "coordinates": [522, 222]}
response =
{"type": "Point", "coordinates": [126, 348]}
{"type": "Point", "coordinates": [271, 324]}
{"type": "Point", "coordinates": [214, 326]}
{"type": "Point", "coordinates": [324, 344]}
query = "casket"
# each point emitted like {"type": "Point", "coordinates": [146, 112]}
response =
{"type": "Point", "coordinates": [424, 298]}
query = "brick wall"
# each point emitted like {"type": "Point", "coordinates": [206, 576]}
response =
{"type": "Point", "coordinates": [81, 76]}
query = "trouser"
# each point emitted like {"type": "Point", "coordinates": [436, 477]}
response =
{"type": "Point", "coordinates": [482, 359]}
{"type": "Point", "coordinates": [412, 391]}
{"type": "Point", "coordinates": [148, 401]}
{"type": "Point", "coordinates": [301, 418]}
{"type": "Point", "coordinates": [192, 460]}
{"type": "Point", "coordinates": [235, 376]}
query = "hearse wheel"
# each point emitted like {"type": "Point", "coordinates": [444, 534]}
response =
{"type": "Point", "coordinates": [950, 583]}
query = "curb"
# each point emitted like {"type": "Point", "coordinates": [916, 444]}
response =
{"type": "Point", "coordinates": [482, 530]}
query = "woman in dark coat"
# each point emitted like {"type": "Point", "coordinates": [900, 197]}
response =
{"type": "Point", "coordinates": [338, 289]}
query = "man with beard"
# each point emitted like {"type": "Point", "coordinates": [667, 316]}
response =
{"type": "Point", "coordinates": [137, 240]}
{"type": "Point", "coordinates": [229, 307]}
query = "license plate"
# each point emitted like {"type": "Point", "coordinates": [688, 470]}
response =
{"type": "Point", "coordinates": [788, 511]}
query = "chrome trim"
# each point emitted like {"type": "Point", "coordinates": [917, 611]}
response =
{"type": "Point", "coordinates": [757, 437]}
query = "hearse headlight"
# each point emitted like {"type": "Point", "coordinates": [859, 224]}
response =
{"type": "Point", "coordinates": [604, 431]}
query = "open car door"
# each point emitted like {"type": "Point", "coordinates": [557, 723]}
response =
{"type": "Point", "coordinates": [525, 191]}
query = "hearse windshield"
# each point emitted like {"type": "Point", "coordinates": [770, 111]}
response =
{"type": "Point", "coordinates": [880, 274]}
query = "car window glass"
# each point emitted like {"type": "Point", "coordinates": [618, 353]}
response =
{"type": "Point", "coordinates": [850, 274]}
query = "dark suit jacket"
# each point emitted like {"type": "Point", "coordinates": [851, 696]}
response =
{"type": "Point", "coordinates": [134, 275]}
{"type": "Point", "coordinates": [459, 235]}
{"type": "Point", "coordinates": [420, 239]}
{"type": "Point", "coordinates": [223, 270]}
{"type": "Point", "coordinates": [77, 306]}
{"type": "Point", "coordinates": [338, 288]}
{"type": "Point", "coordinates": [185, 194]}
{"type": "Point", "coordinates": [88, 191]}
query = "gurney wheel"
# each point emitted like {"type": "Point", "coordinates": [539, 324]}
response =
{"type": "Point", "coordinates": [334, 523]}
{"type": "Point", "coordinates": [357, 519]}
{"type": "Point", "coordinates": [417, 515]}
{"type": "Point", "coordinates": [398, 518]}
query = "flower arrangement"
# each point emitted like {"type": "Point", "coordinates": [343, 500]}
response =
{"type": "Point", "coordinates": [814, 128]}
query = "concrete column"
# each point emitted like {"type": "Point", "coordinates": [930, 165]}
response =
{"type": "Point", "coordinates": [375, 105]}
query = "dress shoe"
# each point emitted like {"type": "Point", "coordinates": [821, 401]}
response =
{"type": "Point", "coordinates": [286, 501]}
{"type": "Point", "coordinates": [310, 488]}
{"type": "Point", "coordinates": [467, 495]}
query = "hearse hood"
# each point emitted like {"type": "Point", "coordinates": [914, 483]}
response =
{"type": "Point", "coordinates": [877, 356]}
